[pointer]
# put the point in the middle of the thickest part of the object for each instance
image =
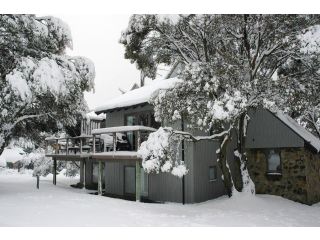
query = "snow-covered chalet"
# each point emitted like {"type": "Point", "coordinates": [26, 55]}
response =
{"type": "Point", "coordinates": [282, 156]}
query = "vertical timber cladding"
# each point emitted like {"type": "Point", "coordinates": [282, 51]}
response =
{"type": "Point", "coordinates": [115, 176]}
{"type": "Point", "coordinates": [205, 157]}
{"type": "Point", "coordinates": [267, 131]}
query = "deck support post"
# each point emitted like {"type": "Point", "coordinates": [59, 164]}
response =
{"type": "Point", "coordinates": [82, 164]}
{"type": "Point", "coordinates": [55, 171]}
{"type": "Point", "coordinates": [138, 181]}
{"type": "Point", "coordinates": [138, 172]}
{"type": "Point", "coordinates": [100, 169]}
{"type": "Point", "coordinates": [84, 171]}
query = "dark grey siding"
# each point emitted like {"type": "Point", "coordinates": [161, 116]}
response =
{"type": "Point", "coordinates": [89, 172]}
{"type": "Point", "coordinates": [116, 118]}
{"type": "Point", "coordinates": [114, 176]}
{"type": "Point", "coordinates": [267, 131]}
{"type": "Point", "coordinates": [164, 187]}
{"type": "Point", "coordinates": [204, 157]}
{"type": "Point", "coordinates": [189, 178]}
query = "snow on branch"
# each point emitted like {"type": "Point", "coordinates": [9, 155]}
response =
{"type": "Point", "coordinates": [160, 153]}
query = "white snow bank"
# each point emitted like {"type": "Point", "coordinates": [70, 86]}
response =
{"type": "Point", "coordinates": [138, 96]}
{"type": "Point", "coordinates": [64, 206]}
{"type": "Point", "coordinates": [301, 131]}
{"type": "Point", "coordinates": [11, 155]}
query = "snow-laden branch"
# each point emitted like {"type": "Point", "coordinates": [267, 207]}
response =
{"type": "Point", "coordinates": [199, 138]}
{"type": "Point", "coordinates": [25, 117]}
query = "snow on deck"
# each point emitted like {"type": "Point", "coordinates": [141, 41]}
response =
{"type": "Point", "coordinates": [122, 129]}
{"type": "Point", "coordinates": [21, 204]}
{"type": "Point", "coordinates": [300, 130]}
{"type": "Point", "coordinates": [117, 154]}
{"type": "Point", "coordinates": [139, 95]}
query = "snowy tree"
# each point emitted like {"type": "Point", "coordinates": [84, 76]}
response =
{"type": "Point", "coordinates": [160, 153]}
{"type": "Point", "coordinates": [39, 83]}
{"type": "Point", "coordinates": [232, 63]}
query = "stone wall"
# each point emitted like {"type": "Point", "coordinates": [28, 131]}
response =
{"type": "Point", "coordinates": [299, 178]}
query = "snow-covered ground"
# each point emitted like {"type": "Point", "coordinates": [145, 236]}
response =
{"type": "Point", "coordinates": [21, 204]}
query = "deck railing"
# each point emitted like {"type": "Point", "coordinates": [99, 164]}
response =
{"type": "Point", "coordinates": [94, 143]}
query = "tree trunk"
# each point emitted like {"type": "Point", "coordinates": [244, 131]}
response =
{"type": "Point", "coordinates": [241, 156]}
{"type": "Point", "coordinates": [222, 160]}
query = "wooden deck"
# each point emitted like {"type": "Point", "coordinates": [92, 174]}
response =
{"type": "Point", "coordinates": [118, 155]}
{"type": "Point", "coordinates": [86, 148]}
{"type": "Point", "coordinates": [69, 157]}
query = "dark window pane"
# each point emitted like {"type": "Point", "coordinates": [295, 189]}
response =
{"type": "Point", "coordinates": [131, 120]}
{"type": "Point", "coordinates": [212, 173]}
{"type": "Point", "coordinates": [144, 119]}
{"type": "Point", "coordinates": [154, 124]}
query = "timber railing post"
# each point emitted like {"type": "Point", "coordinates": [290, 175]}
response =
{"type": "Point", "coordinates": [84, 171]}
{"type": "Point", "coordinates": [114, 142]}
{"type": "Point", "coordinates": [67, 146]}
{"type": "Point", "coordinates": [94, 143]}
{"type": "Point", "coordinates": [80, 145]}
{"type": "Point", "coordinates": [57, 146]}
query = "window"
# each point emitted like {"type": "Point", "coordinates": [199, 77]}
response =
{"type": "Point", "coordinates": [274, 162]}
{"type": "Point", "coordinates": [144, 118]}
{"type": "Point", "coordinates": [212, 173]}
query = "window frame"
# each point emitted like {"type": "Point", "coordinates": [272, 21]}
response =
{"type": "Point", "coordinates": [267, 154]}
{"type": "Point", "coordinates": [137, 115]}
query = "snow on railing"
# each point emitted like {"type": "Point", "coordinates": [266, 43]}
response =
{"type": "Point", "coordinates": [90, 143]}
{"type": "Point", "coordinates": [122, 129]}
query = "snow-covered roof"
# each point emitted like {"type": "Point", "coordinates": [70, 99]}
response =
{"type": "Point", "coordinates": [300, 130]}
{"type": "Point", "coordinates": [122, 129]}
{"type": "Point", "coordinates": [138, 96]}
{"type": "Point", "coordinates": [93, 116]}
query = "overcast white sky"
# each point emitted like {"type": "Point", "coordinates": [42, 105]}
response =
{"type": "Point", "coordinates": [97, 37]}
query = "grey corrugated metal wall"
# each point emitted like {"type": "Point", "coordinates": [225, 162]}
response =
{"type": "Point", "coordinates": [204, 157]}
{"type": "Point", "coordinates": [114, 176]}
{"type": "Point", "coordinates": [89, 172]}
{"type": "Point", "coordinates": [267, 131]}
{"type": "Point", "coordinates": [164, 186]}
